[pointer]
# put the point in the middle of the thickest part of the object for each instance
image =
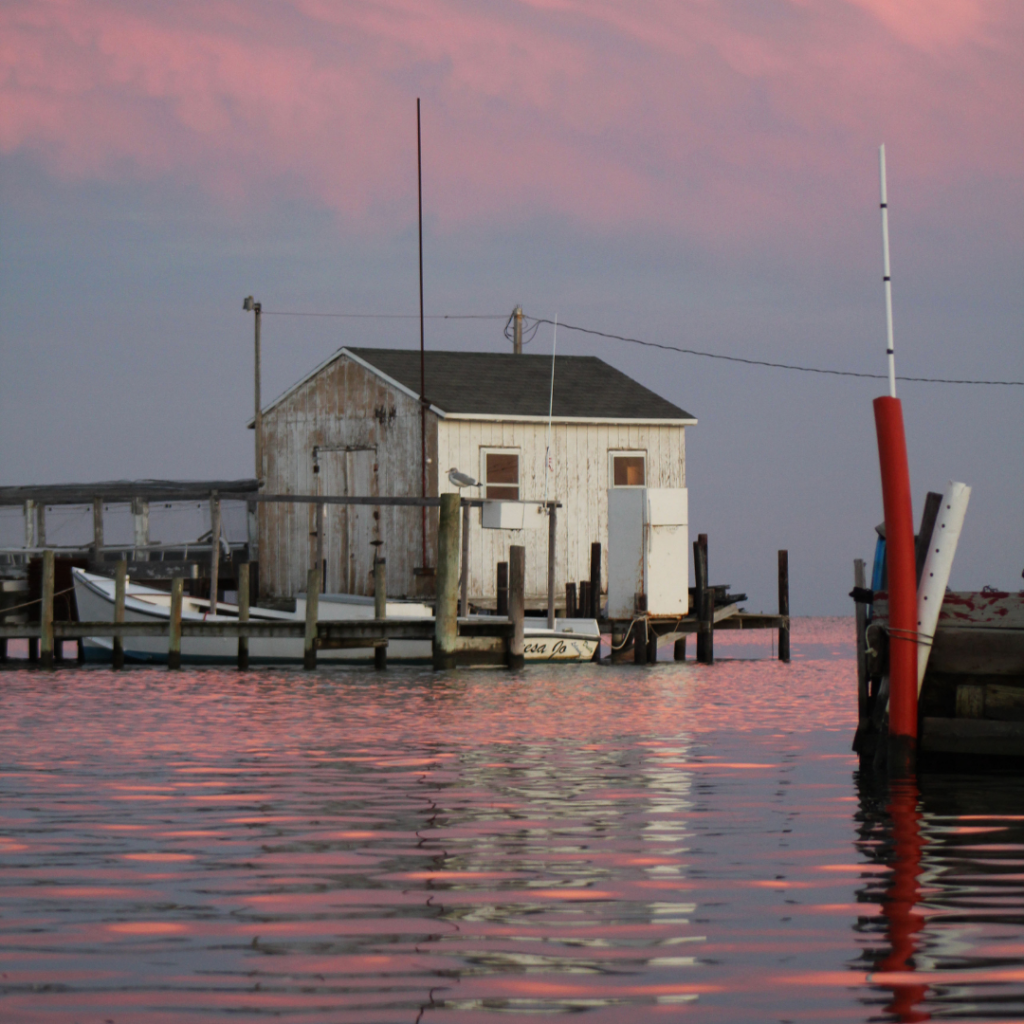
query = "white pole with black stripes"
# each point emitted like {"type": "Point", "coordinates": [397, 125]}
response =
{"type": "Point", "coordinates": [886, 275]}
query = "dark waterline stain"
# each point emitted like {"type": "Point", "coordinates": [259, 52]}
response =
{"type": "Point", "coordinates": [628, 844]}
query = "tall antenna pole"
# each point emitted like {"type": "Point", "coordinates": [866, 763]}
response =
{"type": "Point", "coordinates": [886, 276]}
{"type": "Point", "coordinates": [423, 370]}
{"type": "Point", "coordinates": [551, 408]}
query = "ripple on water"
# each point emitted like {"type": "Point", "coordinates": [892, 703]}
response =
{"type": "Point", "coordinates": [625, 843]}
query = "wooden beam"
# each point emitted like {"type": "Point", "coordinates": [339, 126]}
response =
{"type": "Point", "coordinates": [46, 612]}
{"type": "Point", "coordinates": [977, 736]}
{"type": "Point", "coordinates": [516, 604]}
{"type": "Point", "coordinates": [930, 512]}
{"type": "Point", "coordinates": [446, 609]}
{"type": "Point", "coordinates": [97, 529]}
{"type": "Point", "coordinates": [312, 611]}
{"type": "Point", "coordinates": [174, 625]}
{"type": "Point", "coordinates": [784, 605]}
{"type": "Point", "coordinates": [464, 566]}
{"type": "Point", "coordinates": [501, 598]}
{"type": "Point", "coordinates": [595, 581]}
{"type": "Point", "coordinates": [214, 550]}
{"type": "Point", "coordinates": [861, 610]}
{"type": "Point", "coordinates": [243, 614]}
{"type": "Point", "coordinates": [552, 535]}
{"type": "Point", "coordinates": [120, 586]}
{"type": "Point", "coordinates": [380, 608]}
{"type": "Point", "coordinates": [125, 491]}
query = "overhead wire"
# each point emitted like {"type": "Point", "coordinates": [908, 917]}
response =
{"type": "Point", "coordinates": [387, 316]}
{"type": "Point", "coordinates": [534, 323]}
{"type": "Point", "coordinates": [764, 362]}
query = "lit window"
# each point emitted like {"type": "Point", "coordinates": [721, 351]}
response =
{"type": "Point", "coordinates": [629, 469]}
{"type": "Point", "coordinates": [501, 474]}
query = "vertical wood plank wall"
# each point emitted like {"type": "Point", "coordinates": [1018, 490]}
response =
{"type": "Point", "coordinates": [340, 406]}
{"type": "Point", "coordinates": [580, 482]}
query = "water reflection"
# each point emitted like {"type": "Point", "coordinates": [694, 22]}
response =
{"type": "Point", "coordinates": [628, 844]}
{"type": "Point", "coordinates": [948, 941]}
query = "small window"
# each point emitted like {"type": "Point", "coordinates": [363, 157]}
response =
{"type": "Point", "coordinates": [629, 469]}
{"type": "Point", "coordinates": [501, 474]}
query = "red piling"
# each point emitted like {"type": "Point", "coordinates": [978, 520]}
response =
{"type": "Point", "coordinates": [899, 540]}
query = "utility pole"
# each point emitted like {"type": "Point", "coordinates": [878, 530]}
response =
{"type": "Point", "coordinates": [251, 306]}
{"type": "Point", "coordinates": [255, 307]}
{"type": "Point", "coordinates": [517, 331]}
{"type": "Point", "coordinates": [423, 372]}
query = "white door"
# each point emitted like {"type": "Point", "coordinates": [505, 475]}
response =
{"type": "Point", "coordinates": [349, 530]}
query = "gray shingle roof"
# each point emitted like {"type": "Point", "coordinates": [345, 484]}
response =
{"type": "Point", "coordinates": [498, 383]}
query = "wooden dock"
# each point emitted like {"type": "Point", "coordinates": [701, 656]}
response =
{"type": "Point", "coordinates": [455, 639]}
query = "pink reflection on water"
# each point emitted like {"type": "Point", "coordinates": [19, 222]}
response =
{"type": "Point", "coordinates": [624, 843]}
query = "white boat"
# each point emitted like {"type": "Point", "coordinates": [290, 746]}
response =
{"type": "Point", "coordinates": [570, 640]}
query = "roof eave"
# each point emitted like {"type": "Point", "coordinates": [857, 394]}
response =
{"type": "Point", "coordinates": [662, 421]}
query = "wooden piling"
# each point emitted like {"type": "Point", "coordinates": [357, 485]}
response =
{"type": "Point", "coordinates": [243, 614]}
{"type": "Point", "coordinates": [932, 504]}
{"type": "Point", "coordinates": [380, 607]}
{"type": "Point", "coordinates": [640, 641]}
{"type": "Point", "coordinates": [784, 605]}
{"type": "Point", "coordinates": [652, 645]}
{"type": "Point", "coordinates": [29, 513]}
{"type": "Point", "coordinates": [709, 626]}
{"type": "Point", "coordinates": [174, 627]}
{"type": "Point", "coordinates": [570, 600]}
{"type": "Point", "coordinates": [120, 588]}
{"type": "Point", "coordinates": [700, 588]}
{"type": "Point", "coordinates": [552, 535]}
{"type": "Point", "coordinates": [140, 528]}
{"type": "Point", "coordinates": [41, 524]}
{"type": "Point", "coordinates": [679, 651]}
{"type": "Point", "coordinates": [319, 561]}
{"type": "Point", "coordinates": [502, 591]}
{"type": "Point", "coordinates": [619, 652]}
{"type": "Point", "coordinates": [97, 529]}
{"type": "Point", "coordinates": [312, 612]}
{"type": "Point", "coordinates": [595, 581]}
{"type": "Point", "coordinates": [585, 606]}
{"type": "Point", "coordinates": [517, 604]}
{"type": "Point", "coordinates": [446, 622]}
{"type": "Point", "coordinates": [862, 646]}
{"type": "Point", "coordinates": [46, 612]}
{"type": "Point", "coordinates": [464, 568]}
{"type": "Point", "coordinates": [214, 550]}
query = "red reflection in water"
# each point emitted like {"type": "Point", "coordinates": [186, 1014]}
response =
{"type": "Point", "coordinates": [904, 921]}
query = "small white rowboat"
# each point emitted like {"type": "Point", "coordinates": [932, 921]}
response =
{"type": "Point", "coordinates": [570, 640]}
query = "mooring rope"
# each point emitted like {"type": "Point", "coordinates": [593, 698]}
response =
{"type": "Point", "coordinates": [35, 600]}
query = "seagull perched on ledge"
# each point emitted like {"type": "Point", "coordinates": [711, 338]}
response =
{"type": "Point", "coordinates": [462, 479]}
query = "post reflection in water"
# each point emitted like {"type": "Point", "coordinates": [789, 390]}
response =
{"type": "Point", "coordinates": [947, 942]}
{"type": "Point", "coordinates": [666, 843]}
{"type": "Point", "coordinates": [903, 919]}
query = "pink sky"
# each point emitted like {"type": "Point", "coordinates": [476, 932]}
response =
{"type": "Point", "coordinates": [698, 116]}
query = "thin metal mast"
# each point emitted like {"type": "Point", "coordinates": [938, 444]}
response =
{"type": "Point", "coordinates": [423, 371]}
{"type": "Point", "coordinates": [886, 275]}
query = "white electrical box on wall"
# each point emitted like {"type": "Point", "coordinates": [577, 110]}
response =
{"type": "Point", "coordinates": [513, 515]}
{"type": "Point", "coordinates": [648, 551]}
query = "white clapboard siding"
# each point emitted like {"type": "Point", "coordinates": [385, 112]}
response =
{"type": "Point", "coordinates": [580, 482]}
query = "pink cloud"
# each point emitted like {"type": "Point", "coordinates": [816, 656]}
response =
{"type": "Point", "coordinates": [683, 115]}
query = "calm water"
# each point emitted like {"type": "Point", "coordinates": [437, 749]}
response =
{"type": "Point", "coordinates": [623, 844]}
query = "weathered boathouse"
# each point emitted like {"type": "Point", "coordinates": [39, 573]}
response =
{"type": "Point", "coordinates": [361, 425]}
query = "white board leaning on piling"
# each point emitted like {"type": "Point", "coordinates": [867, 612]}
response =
{"type": "Point", "coordinates": [938, 563]}
{"type": "Point", "coordinates": [570, 640]}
